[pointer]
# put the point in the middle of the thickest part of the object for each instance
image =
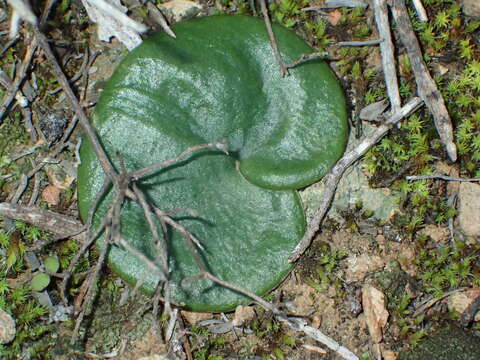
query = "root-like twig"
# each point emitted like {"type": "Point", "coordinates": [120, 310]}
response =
{"type": "Point", "coordinates": [333, 177]}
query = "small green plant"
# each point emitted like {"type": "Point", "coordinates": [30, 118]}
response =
{"type": "Point", "coordinates": [328, 263]}
{"type": "Point", "coordinates": [448, 268]}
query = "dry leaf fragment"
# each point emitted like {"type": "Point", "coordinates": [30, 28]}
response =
{"type": "Point", "coordinates": [242, 315]}
{"type": "Point", "coordinates": [51, 195]}
{"type": "Point", "coordinates": [376, 315]}
{"type": "Point", "coordinates": [334, 17]}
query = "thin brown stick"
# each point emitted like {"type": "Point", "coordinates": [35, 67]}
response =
{"type": "Point", "coordinates": [161, 246]}
{"type": "Point", "coordinates": [307, 57]}
{"type": "Point", "coordinates": [19, 79]}
{"type": "Point", "coordinates": [426, 87]}
{"type": "Point", "coordinates": [386, 49]}
{"type": "Point", "coordinates": [47, 220]}
{"type": "Point", "coordinates": [334, 175]}
{"type": "Point", "coordinates": [91, 287]}
{"type": "Point", "coordinates": [359, 43]}
{"type": "Point", "coordinates": [441, 177]}
{"type": "Point", "coordinates": [273, 41]}
{"type": "Point", "coordinates": [430, 302]}
{"type": "Point", "coordinates": [163, 216]}
{"type": "Point", "coordinates": [36, 190]}
{"type": "Point", "coordinates": [76, 258]}
{"type": "Point", "coordinates": [84, 122]}
{"type": "Point", "coordinates": [23, 102]}
{"type": "Point", "coordinates": [136, 175]}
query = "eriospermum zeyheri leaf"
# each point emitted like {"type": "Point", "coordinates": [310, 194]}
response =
{"type": "Point", "coordinates": [218, 81]}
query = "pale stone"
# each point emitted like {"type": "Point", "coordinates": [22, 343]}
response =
{"type": "Point", "coordinates": [376, 315]}
{"type": "Point", "coordinates": [406, 259]}
{"type": "Point", "coordinates": [194, 317]}
{"type": "Point", "coordinates": [178, 10]}
{"type": "Point", "coordinates": [7, 327]}
{"type": "Point", "coordinates": [51, 195]}
{"type": "Point", "coordinates": [243, 314]}
{"type": "Point", "coordinates": [462, 300]}
{"type": "Point", "coordinates": [471, 7]}
{"type": "Point", "coordinates": [469, 208]}
{"type": "Point", "coordinates": [358, 266]}
{"type": "Point", "coordinates": [438, 234]}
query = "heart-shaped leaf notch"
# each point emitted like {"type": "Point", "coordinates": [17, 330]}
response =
{"type": "Point", "coordinates": [218, 81]}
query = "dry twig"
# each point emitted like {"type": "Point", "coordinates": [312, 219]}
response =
{"type": "Point", "coordinates": [19, 79]}
{"type": "Point", "coordinates": [421, 13]}
{"type": "Point", "coordinates": [359, 43]}
{"type": "Point", "coordinates": [273, 41]}
{"type": "Point", "coordinates": [47, 220]}
{"type": "Point", "coordinates": [386, 49]}
{"type": "Point", "coordinates": [334, 175]}
{"type": "Point", "coordinates": [441, 177]}
{"type": "Point", "coordinates": [158, 16]}
{"type": "Point", "coordinates": [427, 89]}
{"type": "Point", "coordinates": [307, 57]}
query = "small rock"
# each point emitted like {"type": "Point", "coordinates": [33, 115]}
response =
{"type": "Point", "coordinates": [438, 234]}
{"type": "Point", "coordinates": [243, 314]}
{"type": "Point", "coordinates": [359, 266]}
{"type": "Point", "coordinates": [471, 7]}
{"type": "Point", "coordinates": [51, 195]}
{"type": "Point", "coordinates": [449, 342]}
{"type": "Point", "coordinates": [195, 317]}
{"type": "Point", "coordinates": [380, 239]}
{"type": "Point", "coordinates": [52, 126]}
{"type": "Point", "coordinates": [178, 10]}
{"type": "Point", "coordinates": [469, 208]}
{"type": "Point", "coordinates": [376, 315]}
{"type": "Point", "coordinates": [153, 357]}
{"type": "Point", "coordinates": [406, 259]}
{"type": "Point", "coordinates": [462, 300]}
{"type": "Point", "coordinates": [373, 111]}
{"type": "Point", "coordinates": [388, 354]}
{"type": "Point", "coordinates": [317, 321]}
{"type": "Point", "coordinates": [7, 327]}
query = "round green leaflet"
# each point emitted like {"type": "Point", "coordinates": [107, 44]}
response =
{"type": "Point", "coordinates": [218, 81]}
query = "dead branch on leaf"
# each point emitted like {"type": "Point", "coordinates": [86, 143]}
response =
{"type": "Point", "coordinates": [273, 41]}
{"type": "Point", "coordinates": [335, 174]}
{"type": "Point", "coordinates": [307, 57]}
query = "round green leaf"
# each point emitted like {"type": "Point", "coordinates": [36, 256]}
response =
{"type": "Point", "coordinates": [51, 264]}
{"type": "Point", "coordinates": [40, 281]}
{"type": "Point", "coordinates": [218, 81]}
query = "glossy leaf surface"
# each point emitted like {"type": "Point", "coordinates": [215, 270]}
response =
{"type": "Point", "coordinates": [218, 81]}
